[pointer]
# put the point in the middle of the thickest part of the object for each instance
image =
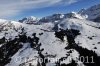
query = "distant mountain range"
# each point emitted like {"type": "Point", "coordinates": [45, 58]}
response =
{"type": "Point", "coordinates": [92, 13]}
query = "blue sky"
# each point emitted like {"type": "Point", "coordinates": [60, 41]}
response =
{"type": "Point", "coordinates": [17, 9]}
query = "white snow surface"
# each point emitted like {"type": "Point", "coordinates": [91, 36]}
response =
{"type": "Point", "coordinates": [52, 45]}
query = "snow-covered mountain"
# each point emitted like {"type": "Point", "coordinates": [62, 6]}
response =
{"type": "Point", "coordinates": [58, 40]}
{"type": "Point", "coordinates": [92, 12]}
{"type": "Point", "coordinates": [53, 18]}
{"type": "Point", "coordinates": [29, 20]}
{"type": "Point", "coordinates": [40, 45]}
{"type": "Point", "coordinates": [59, 17]}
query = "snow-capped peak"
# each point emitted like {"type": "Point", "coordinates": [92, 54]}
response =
{"type": "Point", "coordinates": [77, 15]}
{"type": "Point", "coordinates": [92, 12]}
{"type": "Point", "coordinates": [53, 18]}
{"type": "Point", "coordinates": [29, 20]}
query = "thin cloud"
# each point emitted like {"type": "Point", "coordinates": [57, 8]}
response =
{"type": "Point", "coordinates": [15, 7]}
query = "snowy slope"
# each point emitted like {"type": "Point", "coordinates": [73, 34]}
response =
{"type": "Point", "coordinates": [87, 29]}
{"type": "Point", "coordinates": [30, 43]}
{"type": "Point", "coordinates": [26, 51]}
